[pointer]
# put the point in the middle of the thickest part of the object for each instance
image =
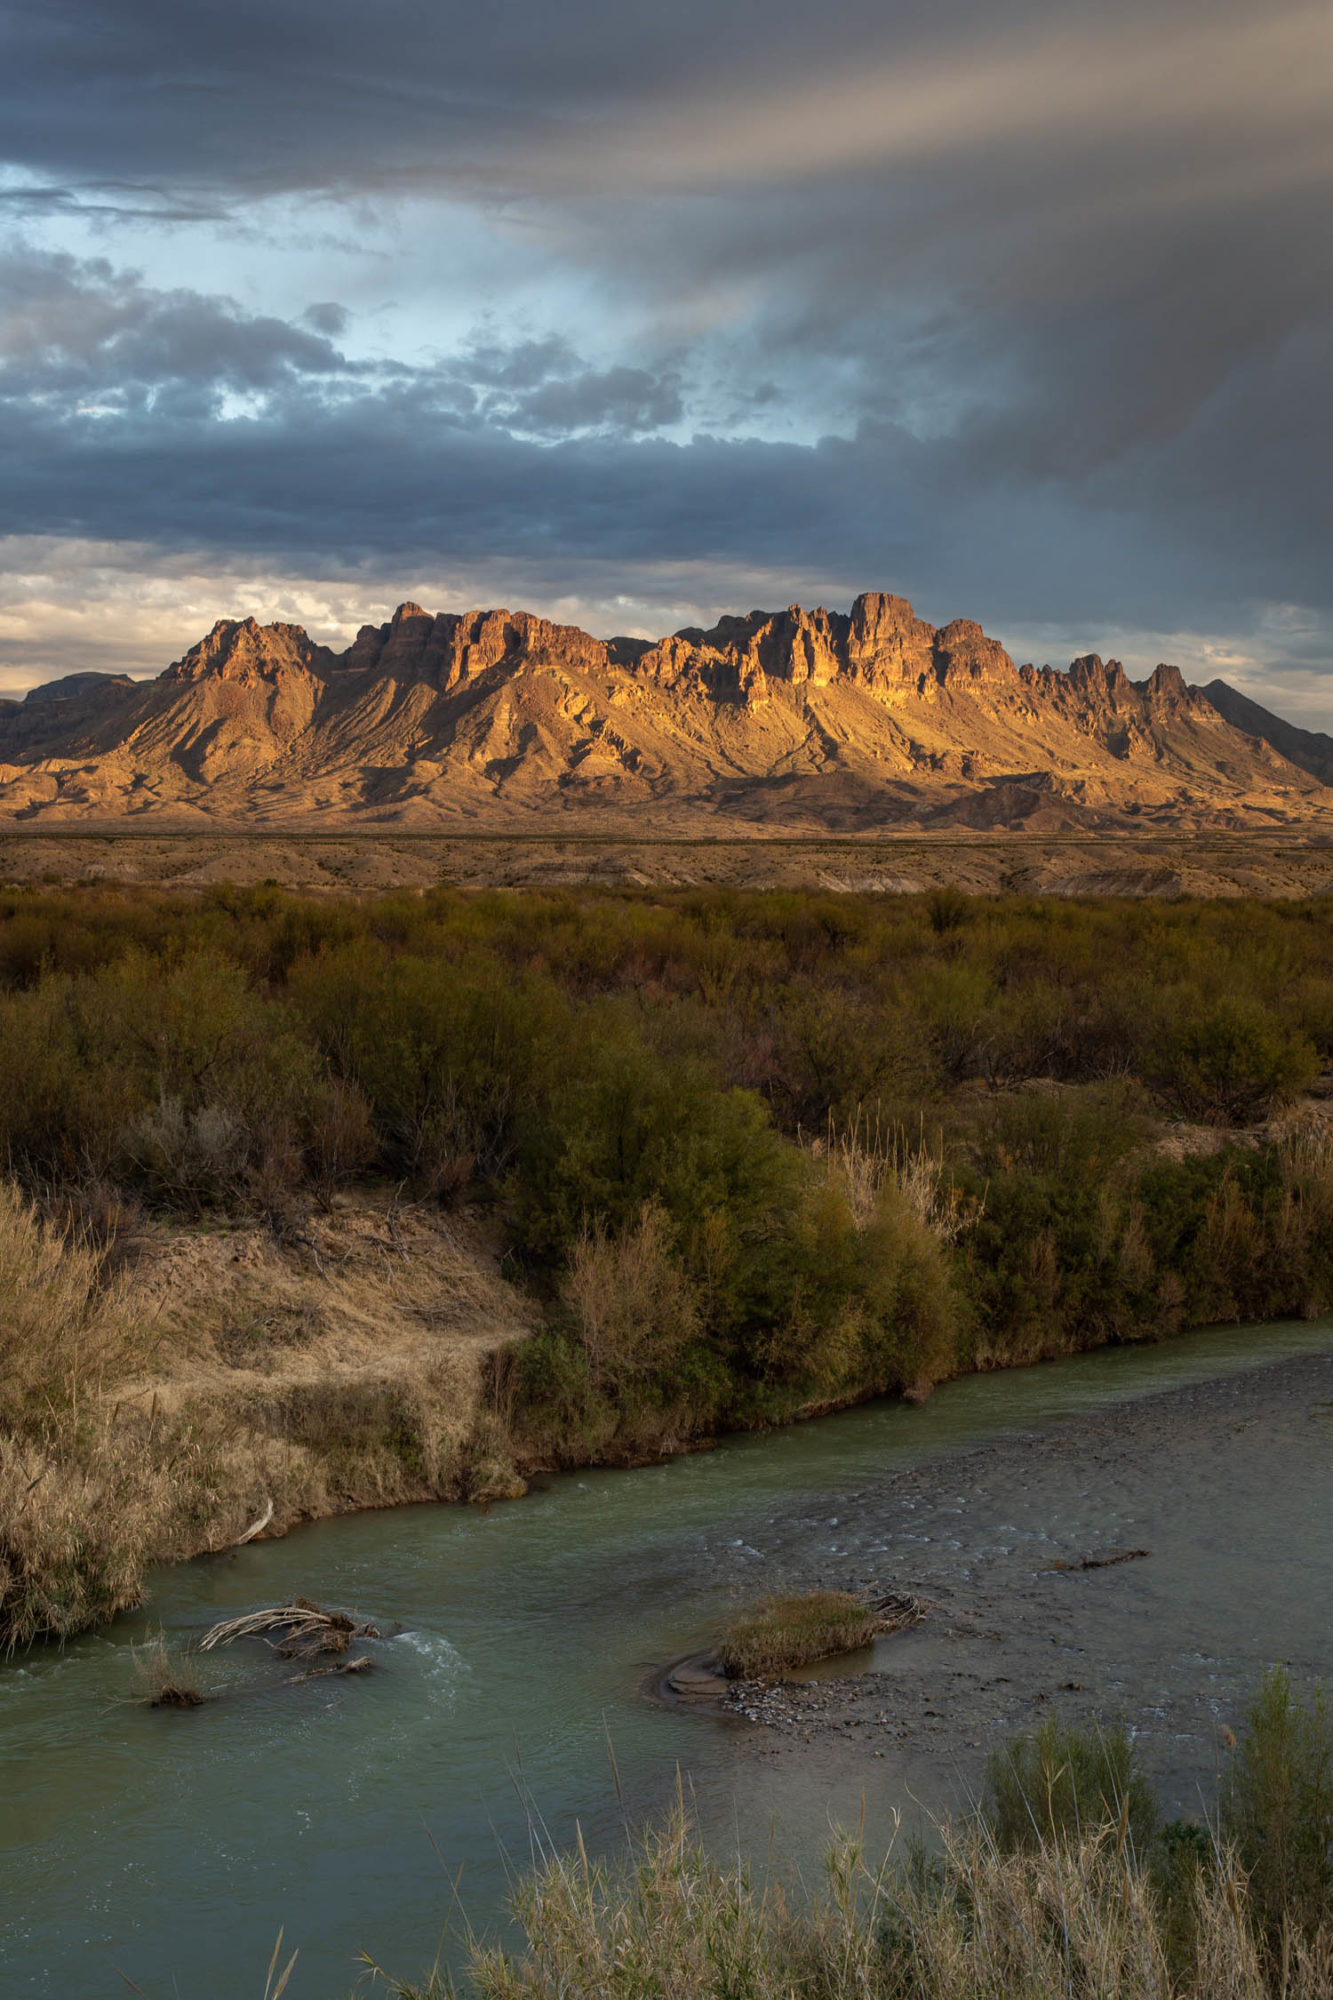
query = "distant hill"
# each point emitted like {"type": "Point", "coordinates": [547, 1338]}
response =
{"type": "Point", "coordinates": [73, 687]}
{"type": "Point", "coordinates": [805, 721]}
{"type": "Point", "coordinates": [1308, 748]}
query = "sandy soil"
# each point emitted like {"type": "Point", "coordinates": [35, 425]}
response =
{"type": "Point", "coordinates": [1227, 1485]}
{"type": "Point", "coordinates": [1292, 864]}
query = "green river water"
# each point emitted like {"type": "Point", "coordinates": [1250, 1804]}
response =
{"type": "Point", "coordinates": [171, 1846]}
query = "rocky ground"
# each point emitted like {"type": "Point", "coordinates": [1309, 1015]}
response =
{"type": "Point", "coordinates": [1145, 1564]}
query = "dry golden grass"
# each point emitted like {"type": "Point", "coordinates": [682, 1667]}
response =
{"type": "Point", "coordinates": [62, 1330]}
{"type": "Point", "coordinates": [868, 1159]}
{"type": "Point", "coordinates": [228, 1378]}
{"type": "Point", "coordinates": [166, 1679]}
{"type": "Point", "coordinates": [1083, 1920]}
{"type": "Point", "coordinates": [784, 1632]}
{"type": "Point", "coordinates": [633, 1302]}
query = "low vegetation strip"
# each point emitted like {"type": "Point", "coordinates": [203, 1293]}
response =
{"type": "Point", "coordinates": [327, 1203]}
{"type": "Point", "coordinates": [1064, 1883]}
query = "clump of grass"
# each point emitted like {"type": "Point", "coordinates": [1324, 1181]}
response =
{"type": "Point", "coordinates": [165, 1679]}
{"type": "Point", "coordinates": [70, 1542]}
{"type": "Point", "coordinates": [632, 1301]}
{"type": "Point", "coordinates": [792, 1631]}
{"type": "Point", "coordinates": [74, 1539]}
{"type": "Point", "coordinates": [61, 1328]}
{"type": "Point", "coordinates": [1055, 1785]}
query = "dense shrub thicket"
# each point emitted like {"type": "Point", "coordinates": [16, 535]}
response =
{"type": "Point", "coordinates": [754, 1150]}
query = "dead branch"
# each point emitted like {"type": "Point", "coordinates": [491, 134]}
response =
{"type": "Point", "coordinates": [305, 1630]}
{"type": "Point", "coordinates": [357, 1666]}
{"type": "Point", "coordinates": [256, 1527]}
{"type": "Point", "coordinates": [1107, 1561]}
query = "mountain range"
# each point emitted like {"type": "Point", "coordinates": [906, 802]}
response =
{"type": "Point", "coordinates": [799, 721]}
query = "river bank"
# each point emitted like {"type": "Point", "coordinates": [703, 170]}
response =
{"type": "Point", "coordinates": [410, 1197]}
{"type": "Point", "coordinates": [182, 1389]}
{"type": "Point", "coordinates": [173, 1845]}
{"type": "Point", "coordinates": [1144, 1564]}
{"type": "Point", "coordinates": [249, 1377]}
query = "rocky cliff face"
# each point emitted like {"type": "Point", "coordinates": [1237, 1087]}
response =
{"type": "Point", "coordinates": [1310, 749]}
{"type": "Point", "coordinates": [803, 720]}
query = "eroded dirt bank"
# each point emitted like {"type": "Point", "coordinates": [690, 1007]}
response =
{"type": "Point", "coordinates": [1227, 1484]}
{"type": "Point", "coordinates": [348, 1348]}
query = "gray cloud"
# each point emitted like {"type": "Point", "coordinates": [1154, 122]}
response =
{"type": "Point", "coordinates": [74, 330]}
{"type": "Point", "coordinates": [109, 402]}
{"type": "Point", "coordinates": [328, 94]}
{"type": "Point", "coordinates": [1042, 294]}
{"type": "Point", "coordinates": [543, 388]}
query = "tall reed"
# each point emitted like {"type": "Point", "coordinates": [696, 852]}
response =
{"type": "Point", "coordinates": [1063, 1919]}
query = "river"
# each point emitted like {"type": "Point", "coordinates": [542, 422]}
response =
{"type": "Point", "coordinates": [171, 1847]}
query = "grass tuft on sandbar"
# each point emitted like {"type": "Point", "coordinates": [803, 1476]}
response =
{"type": "Point", "coordinates": [780, 1633]}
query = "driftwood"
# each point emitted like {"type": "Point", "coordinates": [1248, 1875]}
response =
{"type": "Point", "coordinates": [357, 1666]}
{"type": "Point", "coordinates": [256, 1527]}
{"type": "Point", "coordinates": [305, 1630]}
{"type": "Point", "coordinates": [1107, 1561]}
{"type": "Point", "coordinates": [897, 1610]}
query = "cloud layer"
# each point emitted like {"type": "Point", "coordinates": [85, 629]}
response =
{"type": "Point", "coordinates": [1026, 311]}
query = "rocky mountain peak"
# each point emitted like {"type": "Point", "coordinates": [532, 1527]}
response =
{"type": "Point", "coordinates": [805, 719]}
{"type": "Point", "coordinates": [79, 687]}
{"type": "Point", "coordinates": [1165, 686]}
{"type": "Point", "coordinates": [239, 649]}
{"type": "Point", "coordinates": [964, 653]}
{"type": "Point", "coordinates": [1101, 682]}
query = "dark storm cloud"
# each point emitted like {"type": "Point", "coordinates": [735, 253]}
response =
{"type": "Point", "coordinates": [326, 92]}
{"type": "Point", "coordinates": [109, 402]}
{"type": "Point", "coordinates": [1057, 282]}
{"type": "Point", "coordinates": [543, 388]}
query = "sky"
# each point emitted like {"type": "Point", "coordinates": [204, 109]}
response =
{"type": "Point", "coordinates": [633, 314]}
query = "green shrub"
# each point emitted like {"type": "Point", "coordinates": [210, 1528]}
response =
{"type": "Point", "coordinates": [1061, 1785]}
{"type": "Point", "coordinates": [1278, 1805]}
{"type": "Point", "coordinates": [625, 1128]}
{"type": "Point", "coordinates": [1232, 1061]}
{"type": "Point", "coordinates": [454, 1059]}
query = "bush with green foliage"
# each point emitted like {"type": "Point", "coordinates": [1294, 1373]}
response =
{"type": "Point", "coordinates": [647, 1090]}
{"type": "Point", "coordinates": [1054, 1786]}
{"type": "Point", "coordinates": [1229, 1061]}
{"type": "Point", "coordinates": [1278, 1806]}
